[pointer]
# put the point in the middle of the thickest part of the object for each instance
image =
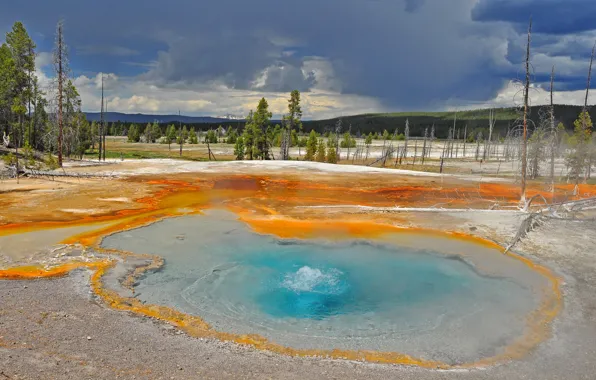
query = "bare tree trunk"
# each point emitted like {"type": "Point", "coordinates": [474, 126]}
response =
{"type": "Point", "coordinates": [585, 110]}
{"type": "Point", "coordinates": [491, 125]}
{"type": "Point", "coordinates": [525, 134]}
{"type": "Point", "coordinates": [181, 136]}
{"type": "Point", "coordinates": [105, 131]}
{"type": "Point", "coordinates": [415, 151]}
{"type": "Point", "coordinates": [407, 136]}
{"type": "Point", "coordinates": [60, 79]}
{"type": "Point", "coordinates": [465, 139]}
{"type": "Point", "coordinates": [16, 147]}
{"type": "Point", "coordinates": [553, 133]}
{"type": "Point", "coordinates": [457, 144]}
{"type": "Point", "coordinates": [30, 85]}
{"type": "Point", "coordinates": [424, 145]}
{"type": "Point", "coordinates": [101, 123]}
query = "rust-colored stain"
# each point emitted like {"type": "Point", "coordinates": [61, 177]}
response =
{"type": "Point", "coordinates": [268, 205]}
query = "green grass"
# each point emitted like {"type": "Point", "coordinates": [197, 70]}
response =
{"type": "Point", "coordinates": [140, 155]}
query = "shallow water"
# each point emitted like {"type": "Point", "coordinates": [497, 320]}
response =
{"type": "Point", "coordinates": [384, 295]}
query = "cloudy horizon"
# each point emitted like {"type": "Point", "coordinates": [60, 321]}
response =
{"type": "Point", "coordinates": [348, 57]}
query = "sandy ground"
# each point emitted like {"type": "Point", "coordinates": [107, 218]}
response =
{"type": "Point", "coordinates": [58, 329]}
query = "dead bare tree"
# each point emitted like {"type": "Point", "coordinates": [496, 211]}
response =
{"type": "Point", "coordinates": [491, 125]}
{"type": "Point", "coordinates": [101, 122]}
{"type": "Point", "coordinates": [524, 162]}
{"type": "Point", "coordinates": [452, 135]}
{"type": "Point", "coordinates": [465, 139]}
{"type": "Point", "coordinates": [424, 146]}
{"type": "Point", "coordinates": [407, 136]}
{"type": "Point", "coordinates": [430, 143]}
{"type": "Point", "coordinates": [338, 127]}
{"type": "Point", "coordinates": [553, 132]}
{"type": "Point", "coordinates": [105, 131]}
{"type": "Point", "coordinates": [181, 136]}
{"type": "Point", "coordinates": [59, 61]}
{"type": "Point", "coordinates": [585, 111]}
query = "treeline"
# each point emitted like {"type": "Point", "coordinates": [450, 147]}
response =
{"type": "Point", "coordinates": [33, 118]}
{"type": "Point", "coordinates": [475, 120]}
{"type": "Point", "coordinates": [361, 125]}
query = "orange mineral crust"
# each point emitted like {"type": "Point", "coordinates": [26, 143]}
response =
{"type": "Point", "coordinates": [269, 205]}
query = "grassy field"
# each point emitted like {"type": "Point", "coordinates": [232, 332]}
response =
{"type": "Point", "coordinates": [118, 147]}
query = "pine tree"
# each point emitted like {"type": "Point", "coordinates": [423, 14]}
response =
{"type": "Point", "coordinates": [248, 135]}
{"type": "Point", "coordinates": [321, 151]}
{"type": "Point", "coordinates": [239, 148]}
{"type": "Point", "coordinates": [170, 136]}
{"type": "Point", "coordinates": [261, 119]}
{"type": "Point", "coordinates": [311, 146]}
{"type": "Point", "coordinates": [23, 63]}
{"type": "Point", "coordinates": [192, 136]}
{"type": "Point", "coordinates": [133, 133]}
{"type": "Point", "coordinates": [579, 157]}
{"type": "Point", "coordinates": [292, 121]}
{"type": "Point", "coordinates": [332, 153]}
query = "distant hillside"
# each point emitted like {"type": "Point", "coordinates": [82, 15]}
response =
{"type": "Point", "coordinates": [475, 120]}
{"type": "Point", "coordinates": [112, 117]}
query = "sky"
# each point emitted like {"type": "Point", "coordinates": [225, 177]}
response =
{"type": "Point", "coordinates": [345, 56]}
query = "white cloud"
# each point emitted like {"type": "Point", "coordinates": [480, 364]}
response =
{"type": "Point", "coordinates": [512, 95]}
{"type": "Point", "coordinates": [132, 95]}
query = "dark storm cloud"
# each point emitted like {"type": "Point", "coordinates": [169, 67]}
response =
{"type": "Point", "coordinates": [413, 5]}
{"type": "Point", "coordinates": [550, 16]}
{"type": "Point", "coordinates": [407, 53]}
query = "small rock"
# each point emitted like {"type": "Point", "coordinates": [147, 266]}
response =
{"type": "Point", "coordinates": [88, 338]}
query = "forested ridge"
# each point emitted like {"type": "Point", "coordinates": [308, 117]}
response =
{"type": "Point", "coordinates": [476, 120]}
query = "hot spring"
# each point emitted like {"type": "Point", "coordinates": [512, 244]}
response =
{"type": "Point", "coordinates": [431, 297]}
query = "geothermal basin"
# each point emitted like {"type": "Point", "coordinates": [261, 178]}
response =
{"type": "Point", "coordinates": [433, 297]}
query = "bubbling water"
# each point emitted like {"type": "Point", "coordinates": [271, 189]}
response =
{"type": "Point", "coordinates": [355, 295]}
{"type": "Point", "coordinates": [308, 279]}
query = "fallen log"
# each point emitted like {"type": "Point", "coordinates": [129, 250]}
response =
{"type": "Point", "coordinates": [51, 174]}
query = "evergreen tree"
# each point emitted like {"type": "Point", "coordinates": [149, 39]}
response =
{"type": "Point", "coordinates": [152, 132]}
{"type": "Point", "coordinates": [248, 136]}
{"type": "Point", "coordinates": [311, 146]}
{"type": "Point", "coordinates": [239, 148]}
{"type": "Point", "coordinates": [291, 122]}
{"type": "Point", "coordinates": [232, 136]}
{"type": "Point", "coordinates": [386, 135]}
{"type": "Point", "coordinates": [211, 137]}
{"type": "Point", "coordinates": [6, 87]}
{"type": "Point", "coordinates": [321, 151]}
{"type": "Point", "coordinates": [134, 134]}
{"type": "Point", "coordinates": [192, 137]}
{"type": "Point", "coordinates": [332, 153]}
{"type": "Point", "coordinates": [578, 159]}
{"type": "Point", "coordinates": [348, 141]}
{"type": "Point", "coordinates": [182, 136]}
{"type": "Point", "coordinates": [170, 136]}
{"type": "Point", "coordinates": [22, 55]}
{"type": "Point", "coordinates": [260, 123]}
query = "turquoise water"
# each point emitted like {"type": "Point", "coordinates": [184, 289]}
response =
{"type": "Point", "coordinates": [319, 281]}
{"type": "Point", "coordinates": [348, 295]}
